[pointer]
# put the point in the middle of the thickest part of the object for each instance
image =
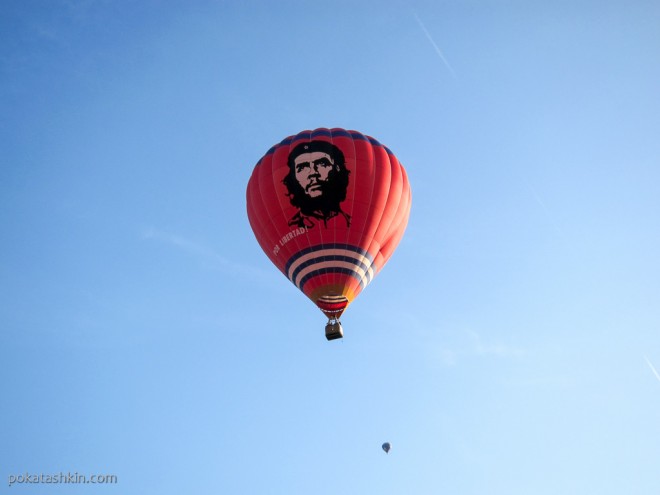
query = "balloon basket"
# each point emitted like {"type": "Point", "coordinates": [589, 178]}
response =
{"type": "Point", "coordinates": [333, 330]}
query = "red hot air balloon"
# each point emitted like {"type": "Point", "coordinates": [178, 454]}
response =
{"type": "Point", "coordinates": [329, 207]}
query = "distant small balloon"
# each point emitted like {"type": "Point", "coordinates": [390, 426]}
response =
{"type": "Point", "coordinates": [386, 447]}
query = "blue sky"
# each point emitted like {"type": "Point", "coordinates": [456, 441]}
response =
{"type": "Point", "coordinates": [510, 346]}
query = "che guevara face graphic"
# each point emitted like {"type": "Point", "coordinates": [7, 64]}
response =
{"type": "Point", "coordinates": [312, 171]}
{"type": "Point", "coordinates": [316, 183]}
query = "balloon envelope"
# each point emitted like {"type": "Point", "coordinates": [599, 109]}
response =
{"type": "Point", "coordinates": [387, 447]}
{"type": "Point", "coordinates": [328, 207]}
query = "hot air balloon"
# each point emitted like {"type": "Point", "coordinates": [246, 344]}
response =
{"type": "Point", "coordinates": [386, 447]}
{"type": "Point", "coordinates": [328, 207]}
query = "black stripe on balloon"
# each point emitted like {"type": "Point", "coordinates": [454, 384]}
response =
{"type": "Point", "coordinates": [321, 247]}
{"type": "Point", "coordinates": [321, 132]}
{"type": "Point", "coordinates": [330, 299]}
{"type": "Point", "coordinates": [331, 257]}
{"type": "Point", "coordinates": [331, 269]}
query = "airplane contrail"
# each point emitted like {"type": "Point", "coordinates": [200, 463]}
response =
{"type": "Point", "coordinates": [211, 258]}
{"type": "Point", "coordinates": [550, 218]}
{"type": "Point", "coordinates": [655, 372]}
{"type": "Point", "coordinates": [435, 46]}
